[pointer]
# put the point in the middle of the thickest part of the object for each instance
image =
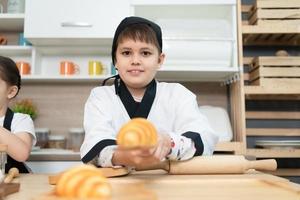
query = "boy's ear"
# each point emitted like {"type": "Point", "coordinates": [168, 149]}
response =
{"type": "Point", "coordinates": [161, 59]}
{"type": "Point", "coordinates": [12, 92]}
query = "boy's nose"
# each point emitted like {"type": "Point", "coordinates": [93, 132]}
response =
{"type": "Point", "coordinates": [135, 60]}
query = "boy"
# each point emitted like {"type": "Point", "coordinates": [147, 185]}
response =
{"type": "Point", "coordinates": [183, 131]}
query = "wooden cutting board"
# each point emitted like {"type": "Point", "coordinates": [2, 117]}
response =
{"type": "Point", "coordinates": [8, 188]}
{"type": "Point", "coordinates": [122, 191]}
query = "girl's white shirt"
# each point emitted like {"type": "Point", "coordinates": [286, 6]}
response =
{"type": "Point", "coordinates": [21, 123]}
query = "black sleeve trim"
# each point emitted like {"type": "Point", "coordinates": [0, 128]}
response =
{"type": "Point", "coordinates": [97, 149]}
{"type": "Point", "coordinates": [197, 140]}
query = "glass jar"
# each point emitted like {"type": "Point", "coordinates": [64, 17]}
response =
{"type": "Point", "coordinates": [75, 138]}
{"type": "Point", "coordinates": [42, 135]}
{"type": "Point", "coordinates": [3, 149]}
{"type": "Point", "coordinates": [15, 6]}
{"type": "Point", "coordinates": [57, 142]}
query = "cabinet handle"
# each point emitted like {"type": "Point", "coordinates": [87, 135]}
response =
{"type": "Point", "coordinates": [76, 24]}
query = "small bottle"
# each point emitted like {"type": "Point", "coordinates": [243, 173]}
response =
{"type": "Point", "coordinates": [76, 136]}
{"type": "Point", "coordinates": [42, 135]}
{"type": "Point", "coordinates": [57, 142]}
{"type": "Point", "coordinates": [3, 149]}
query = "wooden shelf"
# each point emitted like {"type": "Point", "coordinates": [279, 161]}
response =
{"type": "Point", "coordinates": [229, 147]}
{"type": "Point", "coordinates": [272, 115]}
{"type": "Point", "coordinates": [12, 22]}
{"type": "Point", "coordinates": [15, 50]}
{"type": "Point", "coordinates": [272, 132]}
{"type": "Point", "coordinates": [281, 90]}
{"type": "Point", "coordinates": [275, 34]}
{"type": "Point", "coordinates": [71, 78]}
{"type": "Point", "coordinates": [285, 172]}
{"type": "Point", "coordinates": [274, 153]}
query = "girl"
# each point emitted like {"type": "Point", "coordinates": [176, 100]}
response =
{"type": "Point", "coordinates": [183, 131]}
{"type": "Point", "coordinates": [16, 130]}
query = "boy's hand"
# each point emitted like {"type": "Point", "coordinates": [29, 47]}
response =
{"type": "Point", "coordinates": [163, 147]}
{"type": "Point", "coordinates": [134, 157]}
{"type": "Point", "coordinates": [143, 156]}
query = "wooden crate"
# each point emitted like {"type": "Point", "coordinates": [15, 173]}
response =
{"type": "Point", "coordinates": [275, 71]}
{"type": "Point", "coordinates": [283, 12]}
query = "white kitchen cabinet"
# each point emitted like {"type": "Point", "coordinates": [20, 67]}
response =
{"type": "Point", "coordinates": [76, 22]}
{"type": "Point", "coordinates": [199, 37]}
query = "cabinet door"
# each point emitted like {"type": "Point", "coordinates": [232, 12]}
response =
{"type": "Point", "coordinates": [73, 18]}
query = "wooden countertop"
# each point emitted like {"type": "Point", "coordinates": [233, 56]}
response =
{"type": "Point", "coordinates": [158, 185]}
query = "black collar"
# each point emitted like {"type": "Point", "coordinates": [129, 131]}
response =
{"type": "Point", "coordinates": [135, 109]}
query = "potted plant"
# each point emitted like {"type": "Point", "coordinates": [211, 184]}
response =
{"type": "Point", "coordinates": [25, 106]}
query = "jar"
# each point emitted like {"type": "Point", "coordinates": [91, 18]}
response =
{"type": "Point", "coordinates": [42, 136]}
{"type": "Point", "coordinates": [15, 6]}
{"type": "Point", "coordinates": [75, 138]}
{"type": "Point", "coordinates": [3, 149]}
{"type": "Point", "coordinates": [57, 142]}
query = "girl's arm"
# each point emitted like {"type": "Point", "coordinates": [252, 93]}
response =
{"type": "Point", "coordinates": [19, 144]}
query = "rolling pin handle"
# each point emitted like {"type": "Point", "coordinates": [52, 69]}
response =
{"type": "Point", "coordinates": [265, 165]}
{"type": "Point", "coordinates": [12, 173]}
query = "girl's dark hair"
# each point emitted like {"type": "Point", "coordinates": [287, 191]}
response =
{"type": "Point", "coordinates": [9, 72]}
{"type": "Point", "coordinates": [138, 32]}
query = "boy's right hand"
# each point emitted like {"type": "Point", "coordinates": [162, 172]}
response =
{"type": "Point", "coordinates": [134, 157]}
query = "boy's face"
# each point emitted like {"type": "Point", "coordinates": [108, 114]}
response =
{"type": "Point", "coordinates": [137, 62]}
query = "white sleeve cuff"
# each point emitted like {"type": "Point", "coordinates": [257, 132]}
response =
{"type": "Point", "coordinates": [105, 157]}
{"type": "Point", "coordinates": [182, 148]}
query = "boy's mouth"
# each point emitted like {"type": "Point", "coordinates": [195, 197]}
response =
{"type": "Point", "coordinates": [135, 71]}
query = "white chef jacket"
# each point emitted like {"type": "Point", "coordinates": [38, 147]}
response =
{"type": "Point", "coordinates": [174, 111]}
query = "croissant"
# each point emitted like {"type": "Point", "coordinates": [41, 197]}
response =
{"type": "Point", "coordinates": [84, 181]}
{"type": "Point", "coordinates": [138, 132]}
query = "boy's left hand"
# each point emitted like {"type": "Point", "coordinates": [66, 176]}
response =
{"type": "Point", "coordinates": [163, 147]}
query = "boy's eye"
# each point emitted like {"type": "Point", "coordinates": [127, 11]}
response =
{"type": "Point", "coordinates": [146, 53]}
{"type": "Point", "coordinates": [126, 53]}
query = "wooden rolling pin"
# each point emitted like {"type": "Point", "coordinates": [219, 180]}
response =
{"type": "Point", "coordinates": [12, 173]}
{"type": "Point", "coordinates": [230, 164]}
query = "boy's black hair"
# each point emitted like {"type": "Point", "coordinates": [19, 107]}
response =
{"type": "Point", "coordinates": [130, 22]}
{"type": "Point", "coordinates": [9, 72]}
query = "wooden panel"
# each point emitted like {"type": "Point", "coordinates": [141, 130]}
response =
{"type": "Point", "coordinates": [272, 115]}
{"type": "Point", "coordinates": [247, 60]}
{"type": "Point", "coordinates": [277, 4]}
{"type": "Point", "coordinates": [275, 72]}
{"type": "Point", "coordinates": [274, 153]}
{"type": "Point", "coordinates": [289, 83]}
{"type": "Point", "coordinates": [229, 147]}
{"type": "Point", "coordinates": [255, 29]}
{"type": "Point", "coordinates": [278, 13]}
{"type": "Point", "coordinates": [272, 132]}
{"type": "Point", "coordinates": [263, 22]}
{"type": "Point", "coordinates": [246, 77]}
{"type": "Point", "coordinates": [275, 90]}
{"type": "Point", "coordinates": [276, 61]}
{"type": "Point", "coordinates": [247, 8]}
